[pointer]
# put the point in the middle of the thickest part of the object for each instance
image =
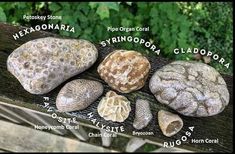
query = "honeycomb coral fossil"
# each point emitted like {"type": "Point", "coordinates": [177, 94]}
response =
{"type": "Point", "coordinates": [191, 88]}
{"type": "Point", "coordinates": [78, 95]}
{"type": "Point", "coordinates": [42, 64]}
{"type": "Point", "coordinates": [114, 107]}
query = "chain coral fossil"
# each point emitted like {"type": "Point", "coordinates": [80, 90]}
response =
{"type": "Point", "coordinates": [42, 64]}
{"type": "Point", "coordinates": [143, 114]}
{"type": "Point", "coordinates": [169, 123]}
{"type": "Point", "coordinates": [124, 70]}
{"type": "Point", "coordinates": [191, 88]}
{"type": "Point", "coordinates": [114, 107]}
{"type": "Point", "coordinates": [78, 95]}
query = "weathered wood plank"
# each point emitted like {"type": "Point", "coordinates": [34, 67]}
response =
{"type": "Point", "coordinates": [219, 126]}
{"type": "Point", "coordinates": [18, 138]}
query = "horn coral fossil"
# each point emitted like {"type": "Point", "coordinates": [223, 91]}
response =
{"type": "Point", "coordinates": [169, 123]}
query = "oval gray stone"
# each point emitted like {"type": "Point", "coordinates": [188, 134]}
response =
{"type": "Point", "coordinates": [143, 114]}
{"type": "Point", "coordinates": [78, 95]}
{"type": "Point", "coordinates": [191, 88]}
{"type": "Point", "coordinates": [41, 65]}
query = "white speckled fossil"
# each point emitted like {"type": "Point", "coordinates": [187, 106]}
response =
{"type": "Point", "coordinates": [42, 64]}
{"type": "Point", "coordinates": [191, 88]}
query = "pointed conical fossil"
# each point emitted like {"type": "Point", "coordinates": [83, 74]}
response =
{"type": "Point", "coordinates": [169, 123]}
{"type": "Point", "coordinates": [142, 114]}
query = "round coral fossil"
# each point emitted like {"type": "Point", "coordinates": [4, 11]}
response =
{"type": "Point", "coordinates": [114, 107]}
{"type": "Point", "coordinates": [78, 95]}
{"type": "Point", "coordinates": [124, 70]}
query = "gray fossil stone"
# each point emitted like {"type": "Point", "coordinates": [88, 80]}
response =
{"type": "Point", "coordinates": [191, 88]}
{"type": "Point", "coordinates": [42, 64]}
{"type": "Point", "coordinates": [143, 114]}
{"type": "Point", "coordinates": [78, 95]}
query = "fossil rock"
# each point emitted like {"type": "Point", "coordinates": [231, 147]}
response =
{"type": "Point", "coordinates": [170, 124]}
{"type": "Point", "coordinates": [143, 114]}
{"type": "Point", "coordinates": [114, 107]}
{"type": "Point", "coordinates": [124, 71]}
{"type": "Point", "coordinates": [191, 88]}
{"type": "Point", "coordinates": [78, 95]}
{"type": "Point", "coordinates": [41, 65]}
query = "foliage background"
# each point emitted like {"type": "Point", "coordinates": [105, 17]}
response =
{"type": "Point", "coordinates": [207, 25]}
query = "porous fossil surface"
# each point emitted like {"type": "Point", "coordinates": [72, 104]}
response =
{"type": "Point", "coordinates": [78, 95]}
{"type": "Point", "coordinates": [143, 114]}
{"type": "Point", "coordinates": [114, 107]}
{"type": "Point", "coordinates": [169, 123]}
{"type": "Point", "coordinates": [42, 64]}
{"type": "Point", "coordinates": [191, 88]}
{"type": "Point", "coordinates": [124, 70]}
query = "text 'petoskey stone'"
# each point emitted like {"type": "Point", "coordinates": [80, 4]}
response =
{"type": "Point", "coordinates": [42, 64]}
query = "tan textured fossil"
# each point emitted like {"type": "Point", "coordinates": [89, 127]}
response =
{"type": "Point", "coordinates": [114, 107]}
{"type": "Point", "coordinates": [41, 65]}
{"type": "Point", "coordinates": [78, 95]}
{"type": "Point", "coordinates": [124, 70]}
{"type": "Point", "coordinates": [170, 124]}
{"type": "Point", "coordinates": [191, 88]}
{"type": "Point", "coordinates": [143, 114]}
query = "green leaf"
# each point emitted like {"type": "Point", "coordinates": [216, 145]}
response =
{"type": "Point", "coordinates": [54, 6]}
{"type": "Point", "coordinates": [65, 33]}
{"type": "Point", "coordinates": [22, 5]}
{"type": "Point", "coordinates": [80, 16]}
{"type": "Point", "coordinates": [66, 5]}
{"type": "Point", "coordinates": [83, 7]}
{"type": "Point", "coordinates": [154, 12]}
{"type": "Point", "coordinates": [104, 7]}
{"type": "Point", "coordinates": [103, 12]}
{"type": "Point", "coordinates": [182, 43]}
{"type": "Point", "coordinates": [40, 5]}
{"type": "Point", "coordinates": [59, 13]}
{"type": "Point", "coordinates": [3, 17]}
{"type": "Point", "coordinates": [126, 22]}
{"type": "Point", "coordinates": [129, 3]}
{"type": "Point", "coordinates": [93, 4]}
{"type": "Point", "coordinates": [112, 5]}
